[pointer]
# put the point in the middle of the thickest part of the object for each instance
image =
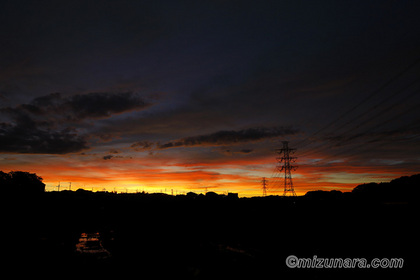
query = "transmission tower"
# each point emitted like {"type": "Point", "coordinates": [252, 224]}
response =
{"type": "Point", "coordinates": [284, 164]}
{"type": "Point", "coordinates": [264, 183]}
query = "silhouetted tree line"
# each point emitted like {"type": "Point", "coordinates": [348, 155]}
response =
{"type": "Point", "coordinates": [212, 233]}
{"type": "Point", "coordinates": [401, 189]}
{"type": "Point", "coordinates": [319, 194]}
{"type": "Point", "coordinates": [21, 182]}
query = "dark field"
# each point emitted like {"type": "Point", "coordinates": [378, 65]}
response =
{"type": "Point", "coordinates": [204, 236]}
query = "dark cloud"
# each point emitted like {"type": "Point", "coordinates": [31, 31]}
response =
{"type": "Point", "coordinates": [220, 138]}
{"type": "Point", "coordinates": [142, 146]}
{"type": "Point", "coordinates": [27, 138]}
{"type": "Point", "coordinates": [105, 137]}
{"type": "Point", "coordinates": [229, 137]}
{"type": "Point", "coordinates": [103, 105]}
{"type": "Point", "coordinates": [230, 152]}
{"type": "Point", "coordinates": [108, 157]}
{"type": "Point", "coordinates": [46, 124]}
{"type": "Point", "coordinates": [96, 105]}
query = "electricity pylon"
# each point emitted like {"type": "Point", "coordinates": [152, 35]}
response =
{"type": "Point", "coordinates": [264, 186]}
{"type": "Point", "coordinates": [284, 164]}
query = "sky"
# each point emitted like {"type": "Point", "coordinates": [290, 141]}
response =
{"type": "Point", "coordinates": [179, 96]}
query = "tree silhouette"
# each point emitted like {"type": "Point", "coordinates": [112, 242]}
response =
{"type": "Point", "coordinates": [403, 188]}
{"type": "Point", "coordinates": [21, 182]}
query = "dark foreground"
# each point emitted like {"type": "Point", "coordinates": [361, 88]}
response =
{"type": "Point", "coordinates": [159, 236]}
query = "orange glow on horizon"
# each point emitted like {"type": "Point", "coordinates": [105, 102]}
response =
{"type": "Point", "coordinates": [153, 174]}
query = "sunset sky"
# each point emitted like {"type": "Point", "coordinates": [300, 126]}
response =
{"type": "Point", "coordinates": [196, 95]}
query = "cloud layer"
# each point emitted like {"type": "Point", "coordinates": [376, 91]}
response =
{"type": "Point", "coordinates": [79, 107]}
{"type": "Point", "coordinates": [48, 124]}
{"type": "Point", "coordinates": [220, 138]}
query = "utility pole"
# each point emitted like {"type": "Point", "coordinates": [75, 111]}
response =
{"type": "Point", "coordinates": [70, 186]}
{"type": "Point", "coordinates": [264, 186]}
{"type": "Point", "coordinates": [284, 164]}
{"type": "Point", "coordinates": [58, 186]}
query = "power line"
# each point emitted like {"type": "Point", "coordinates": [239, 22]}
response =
{"type": "Point", "coordinates": [362, 149]}
{"type": "Point", "coordinates": [367, 98]}
{"type": "Point", "coordinates": [372, 108]}
{"type": "Point", "coordinates": [345, 138]}
{"type": "Point", "coordinates": [365, 122]}
{"type": "Point", "coordinates": [359, 121]}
